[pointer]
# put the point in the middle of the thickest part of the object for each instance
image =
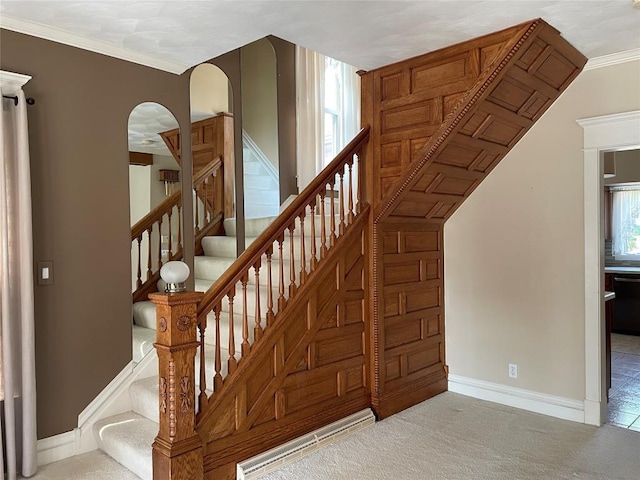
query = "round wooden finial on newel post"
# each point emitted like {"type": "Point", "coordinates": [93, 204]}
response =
{"type": "Point", "coordinates": [177, 450]}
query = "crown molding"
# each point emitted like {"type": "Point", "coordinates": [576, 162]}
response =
{"type": "Point", "coordinates": [613, 59]}
{"type": "Point", "coordinates": [97, 46]}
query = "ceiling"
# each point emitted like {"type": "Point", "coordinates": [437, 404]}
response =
{"type": "Point", "coordinates": [176, 35]}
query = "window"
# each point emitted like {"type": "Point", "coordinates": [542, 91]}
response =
{"type": "Point", "coordinates": [328, 111]}
{"type": "Point", "coordinates": [626, 222]}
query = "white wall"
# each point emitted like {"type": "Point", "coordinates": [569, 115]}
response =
{"type": "Point", "coordinates": [514, 256]}
{"type": "Point", "coordinates": [139, 192]}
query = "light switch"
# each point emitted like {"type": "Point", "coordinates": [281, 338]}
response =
{"type": "Point", "coordinates": [45, 273]}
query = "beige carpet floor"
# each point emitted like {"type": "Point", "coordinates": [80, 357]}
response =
{"type": "Point", "coordinates": [456, 437]}
{"type": "Point", "coordinates": [89, 466]}
{"type": "Point", "coordinates": [450, 437]}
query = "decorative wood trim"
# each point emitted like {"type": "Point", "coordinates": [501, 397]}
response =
{"type": "Point", "coordinates": [299, 348]}
{"type": "Point", "coordinates": [177, 450]}
{"type": "Point", "coordinates": [138, 158]}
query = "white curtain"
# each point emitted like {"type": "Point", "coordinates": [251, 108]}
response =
{"type": "Point", "coordinates": [310, 106]}
{"type": "Point", "coordinates": [625, 221]}
{"type": "Point", "coordinates": [311, 93]}
{"type": "Point", "coordinates": [17, 369]}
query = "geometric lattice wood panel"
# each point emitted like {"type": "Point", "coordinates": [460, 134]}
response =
{"type": "Point", "coordinates": [308, 370]}
{"type": "Point", "coordinates": [500, 108]}
{"type": "Point", "coordinates": [414, 98]}
{"type": "Point", "coordinates": [440, 123]}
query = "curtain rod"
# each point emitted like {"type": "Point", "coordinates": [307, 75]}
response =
{"type": "Point", "coordinates": [30, 101]}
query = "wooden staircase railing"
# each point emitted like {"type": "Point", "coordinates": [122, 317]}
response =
{"type": "Point", "coordinates": [147, 235]}
{"type": "Point", "coordinates": [308, 230]}
{"type": "Point", "coordinates": [289, 227]}
{"type": "Point", "coordinates": [356, 320]}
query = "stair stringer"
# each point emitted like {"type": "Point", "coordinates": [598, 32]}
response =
{"type": "Point", "coordinates": [530, 72]}
{"type": "Point", "coordinates": [308, 370]}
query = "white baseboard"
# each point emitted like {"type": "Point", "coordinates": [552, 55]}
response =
{"type": "Point", "coordinates": [58, 447]}
{"type": "Point", "coordinates": [554, 406]}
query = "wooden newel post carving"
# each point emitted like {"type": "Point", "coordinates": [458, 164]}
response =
{"type": "Point", "coordinates": [177, 450]}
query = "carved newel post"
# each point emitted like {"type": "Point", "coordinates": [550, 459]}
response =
{"type": "Point", "coordinates": [177, 450]}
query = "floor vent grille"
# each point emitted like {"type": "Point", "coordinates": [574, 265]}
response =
{"type": "Point", "coordinates": [278, 457]}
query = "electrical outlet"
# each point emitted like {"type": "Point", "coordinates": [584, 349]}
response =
{"type": "Point", "coordinates": [513, 370]}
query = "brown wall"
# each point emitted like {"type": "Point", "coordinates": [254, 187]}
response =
{"type": "Point", "coordinates": [79, 161]}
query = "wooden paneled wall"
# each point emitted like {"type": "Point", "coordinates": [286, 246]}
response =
{"type": "Point", "coordinates": [439, 124]}
{"type": "Point", "coordinates": [210, 138]}
{"type": "Point", "coordinates": [307, 371]}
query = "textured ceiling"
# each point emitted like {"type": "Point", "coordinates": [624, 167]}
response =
{"type": "Point", "coordinates": [366, 34]}
{"type": "Point", "coordinates": [147, 121]}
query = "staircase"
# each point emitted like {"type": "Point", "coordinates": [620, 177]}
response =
{"type": "Point", "coordinates": [127, 437]}
{"type": "Point", "coordinates": [261, 186]}
{"type": "Point", "coordinates": [338, 305]}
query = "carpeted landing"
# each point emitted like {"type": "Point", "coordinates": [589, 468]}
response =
{"type": "Point", "coordinates": [450, 437]}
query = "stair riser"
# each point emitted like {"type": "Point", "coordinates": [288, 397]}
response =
{"type": "Point", "coordinates": [210, 268]}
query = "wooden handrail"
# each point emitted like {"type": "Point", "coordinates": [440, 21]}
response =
{"type": "Point", "coordinates": [251, 255]}
{"type": "Point", "coordinates": [154, 215]}
{"type": "Point", "coordinates": [210, 169]}
{"type": "Point", "coordinates": [149, 227]}
{"type": "Point", "coordinates": [172, 200]}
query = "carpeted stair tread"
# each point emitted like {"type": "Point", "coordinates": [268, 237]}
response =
{"type": "Point", "coordinates": [143, 340]}
{"type": "Point", "coordinates": [127, 438]}
{"type": "Point", "coordinates": [144, 397]}
{"type": "Point", "coordinates": [144, 314]}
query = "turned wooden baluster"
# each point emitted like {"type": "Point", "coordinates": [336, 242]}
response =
{"type": "Point", "coordinates": [245, 317]}
{"type": "Point", "coordinates": [149, 272]}
{"type": "Point", "coordinates": [281, 300]}
{"type": "Point", "coordinates": [205, 202]}
{"type": "Point", "coordinates": [196, 207]}
{"type": "Point", "coordinates": [177, 450]}
{"type": "Point", "coordinates": [217, 379]}
{"type": "Point", "coordinates": [342, 199]}
{"type": "Point", "coordinates": [292, 264]}
{"type": "Point", "coordinates": [139, 274]}
{"type": "Point", "coordinates": [257, 329]}
{"type": "Point", "coordinates": [323, 223]}
{"type": "Point", "coordinates": [314, 259]}
{"type": "Point", "coordinates": [179, 246]}
{"type": "Point", "coordinates": [350, 215]}
{"type": "Point", "coordinates": [270, 313]}
{"type": "Point", "coordinates": [333, 215]}
{"type": "Point", "coordinates": [159, 243]}
{"type": "Point", "coordinates": [359, 188]}
{"type": "Point", "coordinates": [232, 362]}
{"type": "Point", "coordinates": [303, 259]}
{"type": "Point", "coordinates": [202, 398]}
{"type": "Point", "coordinates": [170, 241]}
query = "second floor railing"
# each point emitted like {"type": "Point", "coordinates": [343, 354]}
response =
{"type": "Point", "coordinates": [157, 237]}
